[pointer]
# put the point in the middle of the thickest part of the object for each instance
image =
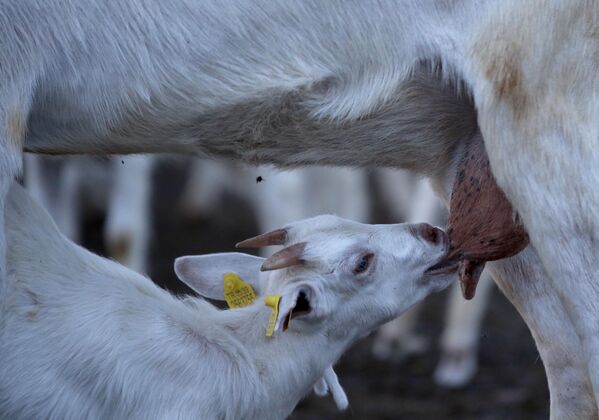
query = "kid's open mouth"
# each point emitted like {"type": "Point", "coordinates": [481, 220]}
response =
{"type": "Point", "coordinates": [445, 266]}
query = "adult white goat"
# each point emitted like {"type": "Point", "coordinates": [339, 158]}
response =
{"type": "Point", "coordinates": [344, 83]}
{"type": "Point", "coordinates": [84, 337]}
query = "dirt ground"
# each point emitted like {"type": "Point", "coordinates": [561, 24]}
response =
{"type": "Point", "coordinates": [510, 384]}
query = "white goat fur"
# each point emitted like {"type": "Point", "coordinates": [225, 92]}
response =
{"type": "Point", "coordinates": [84, 337]}
{"type": "Point", "coordinates": [344, 83]}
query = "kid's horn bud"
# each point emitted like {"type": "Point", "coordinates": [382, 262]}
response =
{"type": "Point", "coordinates": [287, 257]}
{"type": "Point", "coordinates": [276, 237]}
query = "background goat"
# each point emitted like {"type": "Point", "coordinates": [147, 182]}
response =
{"type": "Point", "coordinates": [70, 188]}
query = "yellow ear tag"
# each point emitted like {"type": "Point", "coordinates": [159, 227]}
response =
{"type": "Point", "coordinates": [237, 292]}
{"type": "Point", "coordinates": [272, 301]}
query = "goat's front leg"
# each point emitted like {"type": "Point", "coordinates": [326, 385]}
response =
{"type": "Point", "coordinates": [524, 281]}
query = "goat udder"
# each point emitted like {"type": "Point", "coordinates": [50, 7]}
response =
{"type": "Point", "coordinates": [482, 225]}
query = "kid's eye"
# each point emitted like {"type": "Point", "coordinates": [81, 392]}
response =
{"type": "Point", "coordinates": [363, 263]}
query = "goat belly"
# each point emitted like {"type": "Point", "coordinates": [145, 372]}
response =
{"type": "Point", "coordinates": [482, 224]}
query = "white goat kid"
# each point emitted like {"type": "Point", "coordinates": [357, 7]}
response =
{"type": "Point", "coordinates": [279, 198]}
{"type": "Point", "coordinates": [336, 82]}
{"type": "Point", "coordinates": [84, 337]}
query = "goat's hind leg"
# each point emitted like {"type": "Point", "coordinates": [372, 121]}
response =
{"type": "Point", "coordinates": [536, 95]}
{"type": "Point", "coordinates": [560, 211]}
{"type": "Point", "coordinates": [552, 182]}
{"type": "Point", "coordinates": [525, 283]}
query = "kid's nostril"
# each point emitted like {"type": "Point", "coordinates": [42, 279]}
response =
{"type": "Point", "coordinates": [431, 234]}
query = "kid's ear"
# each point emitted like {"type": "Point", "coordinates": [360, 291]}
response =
{"type": "Point", "coordinates": [205, 273]}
